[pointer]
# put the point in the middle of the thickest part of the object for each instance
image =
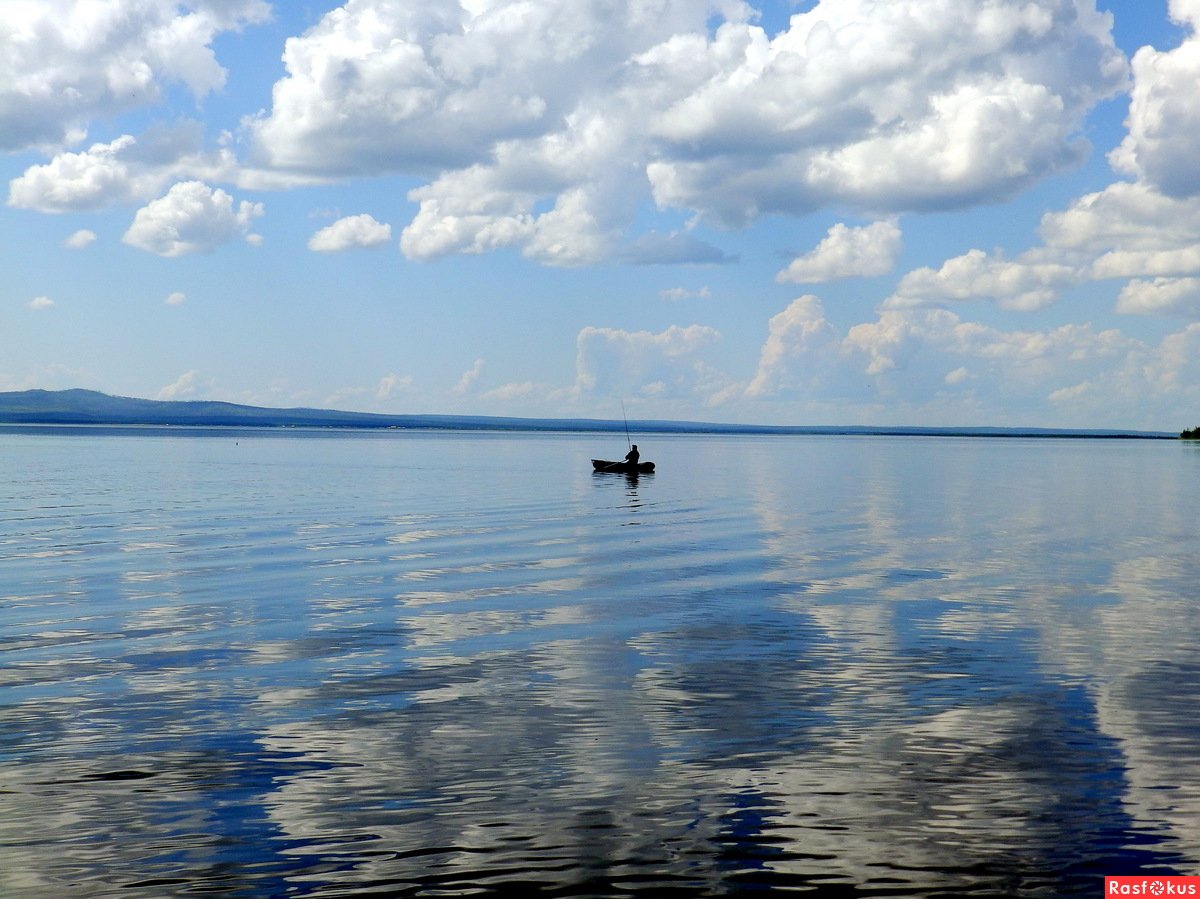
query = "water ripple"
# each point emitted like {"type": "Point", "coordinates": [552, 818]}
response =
{"type": "Point", "coordinates": [413, 665]}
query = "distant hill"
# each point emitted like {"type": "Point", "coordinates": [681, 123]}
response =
{"type": "Point", "coordinates": [88, 407]}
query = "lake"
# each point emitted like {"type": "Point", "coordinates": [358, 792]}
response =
{"type": "Point", "coordinates": [427, 664]}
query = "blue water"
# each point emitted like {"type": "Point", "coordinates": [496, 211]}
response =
{"type": "Point", "coordinates": [428, 664]}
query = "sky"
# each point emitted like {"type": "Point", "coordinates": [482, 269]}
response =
{"type": "Point", "coordinates": [879, 212]}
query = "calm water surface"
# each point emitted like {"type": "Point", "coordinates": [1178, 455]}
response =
{"type": "Point", "coordinates": [431, 664]}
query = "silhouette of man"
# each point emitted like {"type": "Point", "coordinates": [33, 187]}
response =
{"type": "Point", "coordinates": [633, 455]}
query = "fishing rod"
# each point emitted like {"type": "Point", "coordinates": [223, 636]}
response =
{"type": "Point", "coordinates": [625, 418]}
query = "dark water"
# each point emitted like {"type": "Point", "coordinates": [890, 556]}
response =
{"type": "Point", "coordinates": [428, 665]}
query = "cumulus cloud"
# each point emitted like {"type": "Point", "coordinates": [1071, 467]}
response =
{"type": "Point", "coordinates": [922, 359]}
{"type": "Point", "coordinates": [1127, 230]}
{"type": "Point", "coordinates": [1024, 285]}
{"type": "Point", "coordinates": [1147, 230]}
{"type": "Point", "coordinates": [177, 298]}
{"type": "Point", "coordinates": [1161, 296]}
{"type": "Point", "coordinates": [125, 170]}
{"type": "Point", "coordinates": [66, 62]}
{"type": "Point", "coordinates": [1164, 113]}
{"type": "Point", "coordinates": [350, 232]}
{"type": "Point", "coordinates": [80, 239]}
{"type": "Point", "coordinates": [899, 105]}
{"type": "Point", "coordinates": [847, 253]}
{"type": "Point", "coordinates": [76, 181]}
{"type": "Point", "coordinates": [1018, 355]}
{"type": "Point", "coordinates": [409, 86]}
{"type": "Point", "coordinates": [543, 126]}
{"type": "Point", "coordinates": [39, 303]}
{"type": "Point", "coordinates": [191, 218]}
{"type": "Point", "coordinates": [614, 362]}
{"type": "Point", "coordinates": [796, 349]}
{"type": "Point", "coordinates": [992, 368]}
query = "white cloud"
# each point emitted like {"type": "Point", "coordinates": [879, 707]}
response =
{"type": "Point", "coordinates": [614, 362]}
{"type": "Point", "coordinates": [1023, 285]}
{"type": "Point", "coordinates": [485, 208]}
{"type": "Point", "coordinates": [377, 86]}
{"type": "Point", "coordinates": [796, 349]}
{"type": "Point", "coordinates": [958, 376]}
{"type": "Point", "coordinates": [903, 346]}
{"type": "Point", "coordinates": [1071, 394]}
{"type": "Point", "coordinates": [392, 384]}
{"type": "Point", "coordinates": [350, 232]}
{"type": "Point", "coordinates": [76, 181]}
{"type": "Point", "coordinates": [1174, 369]}
{"type": "Point", "coordinates": [900, 105]}
{"type": "Point", "coordinates": [123, 171]}
{"type": "Point", "coordinates": [932, 364]}
{"type": "Point", "coordinates": [1123, 216]}
{"type": "Point", "coordinates": [1127, 230]}
{"type": "Point", "coordinates": [469, 377]}
{"type": "Point", "coordinates": [847, 253]}
{"type": "Point", "coordinates": [1161, 296]}
{"type": "Point", "coordinates": [80, 239]}
{"type": "Point", "coordinates": [39, 303]}
{"type": "Point", "coordinates": [183, 386]}
{"type": "Point", "coordinates": [177, 298]}
{"type": "Point", "coordinates": [1164, 113]}
{"type": "Point", "coordinates": [471, 212]}
{"type": "Point", "coordinates": [675, 294]}
{"type": "Point", "coordinates": [64, 63]}
{"type": "Point", "coordinates": [191, 218]}
{"type": "Point", "coordinates": [544, 125]}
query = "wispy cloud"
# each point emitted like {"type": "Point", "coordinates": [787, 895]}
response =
{"type": "Point", "coordinates": [183, 386]}
{"type": "Point", "coordinates": [470, 377]}
{"type": "Point", "coordinates": [675, 294]}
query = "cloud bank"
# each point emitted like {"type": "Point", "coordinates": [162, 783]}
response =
{"type": "Point", "coordinates": [543, 125]}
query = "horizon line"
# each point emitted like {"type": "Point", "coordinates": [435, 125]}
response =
{"type": "Point", "coordinates": [308, 416]}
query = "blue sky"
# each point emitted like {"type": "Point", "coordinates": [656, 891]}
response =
{"type": "Point", "coordinates": [925, 212]}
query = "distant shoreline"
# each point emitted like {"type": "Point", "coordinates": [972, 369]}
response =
{"type": "Point", "coordinates": [89, 410]}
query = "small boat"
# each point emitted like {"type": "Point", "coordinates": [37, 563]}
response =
{"type": "Point", "coordinates": [622, 467]}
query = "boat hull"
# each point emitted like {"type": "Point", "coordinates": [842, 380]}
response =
{"type": "Point", "coordinates": [622, 467]}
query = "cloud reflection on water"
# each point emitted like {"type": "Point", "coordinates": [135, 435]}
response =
{"type": "Point", "coordinates": [916, 666]}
